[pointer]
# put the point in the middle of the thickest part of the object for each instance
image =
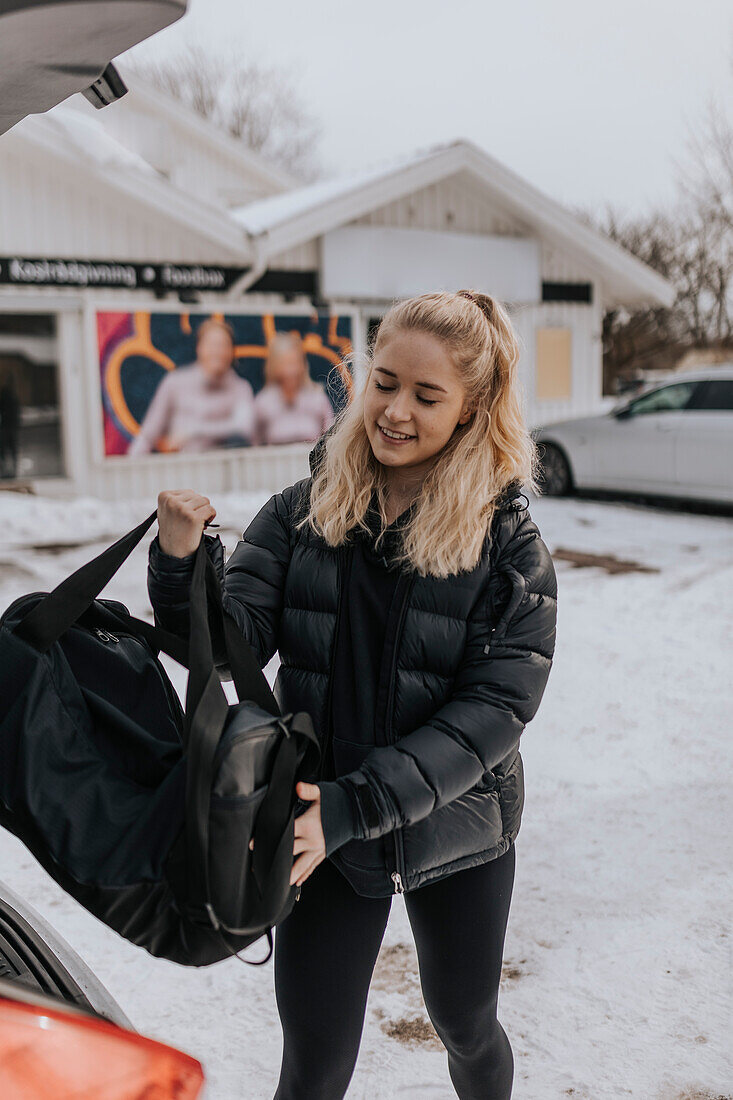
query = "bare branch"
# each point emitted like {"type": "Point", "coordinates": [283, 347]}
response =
{"type": "Point", "coordinates": [254, 103]}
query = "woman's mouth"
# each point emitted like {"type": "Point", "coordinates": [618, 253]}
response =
{"type": "Point", "coordinates": [394, 437]}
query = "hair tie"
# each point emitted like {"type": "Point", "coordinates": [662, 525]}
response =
{"type": "Point", "coordinates": [469, 295]}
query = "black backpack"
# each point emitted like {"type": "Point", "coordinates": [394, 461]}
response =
{"type": "Point", "coordinates": [139, 810]}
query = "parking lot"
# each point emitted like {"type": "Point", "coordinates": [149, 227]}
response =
{"type": "Point", "coordinates": [617, 978]}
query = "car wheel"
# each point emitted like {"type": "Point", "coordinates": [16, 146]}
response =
{"type": "Point", "coordinates": [555, 479]}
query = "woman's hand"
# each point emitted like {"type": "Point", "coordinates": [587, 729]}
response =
{"type": "Point", "coordinates": [182, 516]}
{"type": "Point", "coordinates": [309, 844]}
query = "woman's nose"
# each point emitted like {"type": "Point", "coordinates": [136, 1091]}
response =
{"type": "Point", "coordinates": [398, 409]}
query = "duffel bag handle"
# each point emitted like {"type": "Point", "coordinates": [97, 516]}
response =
{"type": "Point", "coordinates": [64, 605]}
{"type": "Point", "coordinates": [55, 613]}
{"type": "Point", "coordinates": [205, 601]}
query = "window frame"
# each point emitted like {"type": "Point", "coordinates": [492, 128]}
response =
{"type": "Point", "coordinates": [628, 410]}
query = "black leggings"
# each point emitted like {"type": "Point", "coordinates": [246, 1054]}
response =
{"type": "Point", "coordinates": [325, 952]}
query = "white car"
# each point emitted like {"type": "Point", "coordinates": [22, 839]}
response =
{"type": "Point", "coordinates": [673, 440]}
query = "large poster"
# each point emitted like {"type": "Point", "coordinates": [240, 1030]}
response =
{"type": "Point", "coordinates": [198, 382]}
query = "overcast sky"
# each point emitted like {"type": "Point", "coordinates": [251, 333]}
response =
{"type": "Point", "coordinates": [592, 102]}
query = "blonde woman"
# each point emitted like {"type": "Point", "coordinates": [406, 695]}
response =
{"type": "Point", "coordinates": [291, 407]}
{"type": "Point", "coordinates": [413, 604]}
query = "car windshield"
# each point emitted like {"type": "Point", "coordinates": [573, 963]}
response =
{"type": "Point", "coordinates": [665, 399]}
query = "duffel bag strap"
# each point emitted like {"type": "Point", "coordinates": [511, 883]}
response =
{"type": "Point", "coordinates": [249, 679]}
{"type": "Point", "coordinates": [54, 614]}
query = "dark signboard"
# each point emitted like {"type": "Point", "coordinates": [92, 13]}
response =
{"type": "Point", "coordinates": [52, 271]}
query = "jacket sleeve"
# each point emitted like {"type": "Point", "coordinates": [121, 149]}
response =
{"type": "Point", "coordinates": [496, 692]}
{"type": "Point", "coordinates": [252, 581]}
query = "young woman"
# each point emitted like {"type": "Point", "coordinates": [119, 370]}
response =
{"type": "Point", "coordinates": [413, 605]}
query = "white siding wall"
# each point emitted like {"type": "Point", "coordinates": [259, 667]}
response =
{"type": "Point", "coordinates": [560, 267]}
{"type": "Point", "coordinates": [454, 204]}
{"type": "Point", "coordinates": [584, 321]}
{"type": "Point", "coordinates": [305, 257]}
{"type": "Point", "coordinates": [62, 212]}
{"type": "Point", "coordinates": [268, 469]}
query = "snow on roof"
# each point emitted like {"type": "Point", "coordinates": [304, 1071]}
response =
{"type": "Point", "coordinates": [257, 217]}
{"type": "Point", "coordinates": [82, 139]}
{"type": "Point", "coordinates": [154, 101]}
{"type": "Point", "coordinates": [90, 138]}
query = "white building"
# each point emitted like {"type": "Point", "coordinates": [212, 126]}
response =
{"type": "Point", "coordinates": [134, 220]}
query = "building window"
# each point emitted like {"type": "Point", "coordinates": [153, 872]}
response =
{"type": "Point", "coordinates": [567, 292]}
{"type": "Point", "coordinates": [553, 364]}
{"type": "Point", "coordinates": [30, 414]}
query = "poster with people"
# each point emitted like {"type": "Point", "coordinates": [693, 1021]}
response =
{"type": "Point", "coordinates": [184, 382]}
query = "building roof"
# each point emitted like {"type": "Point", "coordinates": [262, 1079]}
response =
{"type": "Point", "coordinates": [77, 138]}
{"type": "Point", "coordinates": [276, 210]}
{"type": "Point", "coordinates": [287, 220]}
{"type": "Point", "coordinates": [172, 110]}
{"type": "Point", "coordinates": [260, 230]}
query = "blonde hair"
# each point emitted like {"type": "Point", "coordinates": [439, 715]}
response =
{"type": "Point", "coordinates": [286, 341]}
{"type": "Point", "coordinates": [458, 498]}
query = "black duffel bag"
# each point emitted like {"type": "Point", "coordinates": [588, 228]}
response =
{"type": "Point", "coordinates": [142, 812]}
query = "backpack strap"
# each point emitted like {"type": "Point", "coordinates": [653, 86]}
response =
{"type": "Point", "coordinates": [206, 714]}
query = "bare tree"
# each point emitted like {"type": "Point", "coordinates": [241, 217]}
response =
{"type": "Point", "coordinates": [691, 247]}
{"type": "Point", "coordinates": [255, 103]}
{"type": "Point", "coordinates": [706, 178]}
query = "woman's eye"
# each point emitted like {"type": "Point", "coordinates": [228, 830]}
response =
{"type": "Point", "coordinates": [388, 389]}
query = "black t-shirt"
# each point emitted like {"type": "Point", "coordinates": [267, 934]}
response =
{"type": "Point", "coordinates": [359, 648]}
{"type": "Point", "coordinates": [367, 598]}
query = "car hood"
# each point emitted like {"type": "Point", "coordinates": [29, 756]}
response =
{"type": "Point", "coordinates": [572, 424]}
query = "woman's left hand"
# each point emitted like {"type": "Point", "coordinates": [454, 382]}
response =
{"type": "Point", "coordinates": [309, 843]}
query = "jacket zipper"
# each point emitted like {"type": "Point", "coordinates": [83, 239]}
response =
{"type": "Point", "coordinates": [341, 582]}
{"type": "Point", "coordinates": [327, 744]}
{"type": "Point", "coordinates": [398, 875]}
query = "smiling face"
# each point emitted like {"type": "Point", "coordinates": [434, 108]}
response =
{"type": "Point", "coordinates": [414, 390]}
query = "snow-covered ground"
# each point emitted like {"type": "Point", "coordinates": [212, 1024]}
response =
{"type": "Point", "coordinates": [619, 954]}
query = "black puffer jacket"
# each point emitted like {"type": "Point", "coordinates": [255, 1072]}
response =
{"type": "Point", "coordinates": [469, 658]}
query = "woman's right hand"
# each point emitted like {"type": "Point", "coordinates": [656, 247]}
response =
{"type": "Point", "coordinates": [182, 516]}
